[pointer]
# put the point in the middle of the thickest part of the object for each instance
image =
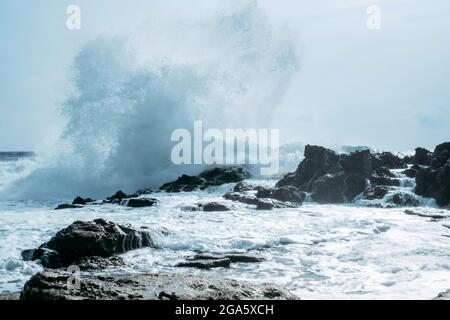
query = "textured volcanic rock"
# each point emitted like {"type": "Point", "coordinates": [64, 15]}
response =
{"type": "Point", "coordinates": [88, 238]}
{"type": "Point", "coordinates": [434, 181]}
{"type": "Point", "coordinates": [234, 258]}
{"type": "Point", "coordinates": [331, 178]}
{"type": "Point", "coordinates": [376, 192]}
{"type": "Point", "coordinates": [67, 206]}
{"type": "Point", "coordinates": [208, 178]}
{"type": "Point", "coordinates": [284, 194]}
{"type": "Point", "coordinates": [119, 196]}
{"type": "Point", "coordinates": [140, 202]}
{"type": "Point", "coordinates": [205, 264]}
{"type": "Point", "coordinates": [422, 157]}
{"type": "Point", "coordinates": [388, 160]}
{"type": "Point", "coordinates": [81, 201]}
{"type": "Point", "coordinates": [213, 206]}
{"type": "Point", "coordinates": [99, 263]}
{"type": "Point", "coordinates": [404, 199]}
{"type": "Point", "coordinates": [261, 204]}
{"type": "Point", "coordinates": [52, 285]}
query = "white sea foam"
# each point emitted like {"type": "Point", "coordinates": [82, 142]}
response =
{"type": "Point", "coordinates": [317, 251]}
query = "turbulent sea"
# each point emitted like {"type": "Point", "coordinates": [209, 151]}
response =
{"type": "Point", "coordinates": [316, 251]}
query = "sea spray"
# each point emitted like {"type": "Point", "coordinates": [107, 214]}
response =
{"type": "Point", "coordinates": [131, 93]}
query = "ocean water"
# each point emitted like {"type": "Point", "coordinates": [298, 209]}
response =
{"type": "Point", "coordinates": [117, 136]}
{"type": "Point", "coordinates": [316, 251]}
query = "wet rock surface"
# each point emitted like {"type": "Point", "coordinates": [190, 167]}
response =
{"type": "Point", "coordinates": [52, 285]}
{"type": "Point", "coordinates": [140, 202]}
{"type": "Point", "coordinates": [208, 178]}
{"type": "Point", "coordinates": [330, 178]}
{"type": "Point", "coordinates": [86, 239]}
{"type": "Point", "coordinates": [434, 181]}
{"type": "Point", "coordinates": [205, 263]}
{"type": "Point", "coordinates": [213, 206]}
{"type": "Point", "coordinates": [284, 194]}
{"type": "Point", "coordinates": [377, 192]}
{"type": "Point", "coordinates": [261, 204]}
{"type": "Point", "coordinates": [99, 263]}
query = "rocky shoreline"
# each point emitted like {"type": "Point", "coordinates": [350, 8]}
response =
{"type": "Point", "coordinates": [322, 176]}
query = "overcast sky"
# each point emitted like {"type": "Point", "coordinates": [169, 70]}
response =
{"type": "Point", "coordinates": [387, 88]}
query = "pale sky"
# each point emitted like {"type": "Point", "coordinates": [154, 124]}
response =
{"type": "Point", "coordinates": [386, 88]}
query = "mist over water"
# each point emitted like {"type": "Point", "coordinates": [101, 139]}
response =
{"type": "Point", "coordinates": [129, 93]}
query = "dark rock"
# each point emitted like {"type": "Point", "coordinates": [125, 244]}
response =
{"type": "Point", "coordinates": [441, 155]}
{"type": "Point", "coordinates": [261, 204]}
{"type": "Point", "coordinates": [184, 183]}
{"type": "Point", "coordinates": [264, 205]}
{"type": "Point", "coordinates": [376, 192]}
{"type": "Point", "coordinates": [67, 206]}
{"type": "Point", "coordinates": [434, 183]}
{"type": "Point", "coordinates": [425, 215]}
{"type": "Point", "coordinates": [328, 189]}
{"type": "Point", "coordinates": [422, 157]}
{"type": "Point", "coordinates": [412, 172]}
{"type": "Point", "coordinates": [119, 196]}
{"type": "Point", "coordinates": [247, 199]}
{"type": "Point", "coordinates": [285, 193]}
{"type": "Point", "coordinates": [85, 239]}
{"type": "Point", "coordinates": [98, 263]}
{"type": "Point", "coordinates": [234, 258]}
{"type": "Point", "coordinates": [140, 202]}
{"type": "Point", "coordinates": [382, 172]}
{"type": "Point", "coordinates": [330, 177]}
{"type": "Point", "coordinates": [383, 181]}
{"type": "Point", "coordinates": [388, 160]}
{"type": "Point", "coordinates": [52, 285]}
{"type": "Point", "coordinates": [408, 159]}
{"type": "Point", "coordinates": [81, 201]}
{"type": "Point", "coordinates": [317, 162]}
{"type": "Point", "coordinates": [223, 175]}
{"type": "Point", "coordinates": [242, 187]}
{"type": "Point", "coordinates": [205, 264]}
{"type": "Point", "coordinates": [405, 199]}
{"type": "Point", "coordinates": [213, 206]}
{"type": "Point", "coordinates": [141, 192]}
{"type": "Point", "coordinates": [51, 259]}
{"type": "Point", "coordinates": [208, 178]}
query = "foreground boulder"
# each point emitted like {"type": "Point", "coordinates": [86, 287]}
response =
{"type": "Point", "coordinates": [87, 239]}
{"type": "Point", "coordinates": [208, 178]}
{"type": "Point", "coordinates": [434, 181]}
{"type": "Point", "coordinates": [331, 178]}
{"type": "Point", "coordinates": [52, 285]}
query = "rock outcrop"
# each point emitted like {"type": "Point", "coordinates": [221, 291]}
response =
{"type": "Point", "coordinates": [88, 239]}
{"type": "Point", "coordinates": [331, 178]}
{"type": "Point", "coordinates": [284, 194]}
{"type": "Point", "coordinates": [53, 285]}
{"type": "Point", "coordinates": [208, 178]}
{"type": "Point", "coordinates": [434, 181]}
